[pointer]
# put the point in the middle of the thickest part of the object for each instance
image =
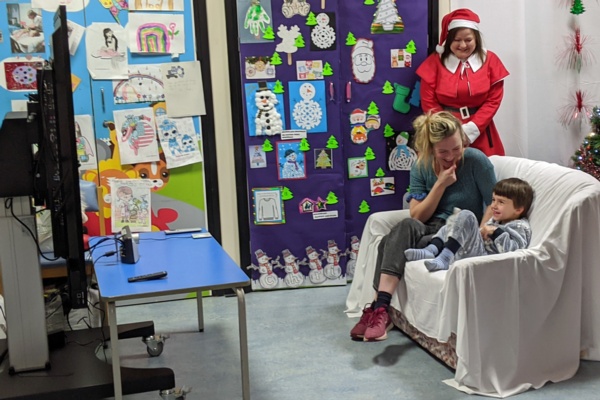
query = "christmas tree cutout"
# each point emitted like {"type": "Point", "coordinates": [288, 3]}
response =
{"type": "Point", "coordinates": [364, 207]}
{"type": "Point", "coordinates": [373, 109]}
{"type": "Point", "coordinates": [369, 154]}
{"type": "Point", "coordinates": [304, 145]}
{"type": "Point", "coordinates": [278, 88]}
{"type": "Point", "coordinates": [379, 173]}
{"type": "Point", "coordinates": [267, 146]}
{"type": "Point", "coordinates": [350, 39]}
{"type": "Point", "coordinates": [411, 47]}
{"type": "Point", "coordinates": [286, 194]}
{"type": "Point", "coordinates": [369, 2]}
{"type": "Point", "coordinates": [388, 131]}
{"type": "Point", "coordinates": [300, 41]}
{"type": "Point", "coordinates": [387, 88]}
{"type": "Point", "coordinates": [327, 70]}
{"type": "Point", "coordinates": [386, 18]}
{"type": "Point", "coordinates": [577, 7]}
{"type": "Point", "coordinates": [332, 198]}
{"type": "Point", "coordinates": [332, 143]}
{"type": "Point", "coordinates": [323, 160]}
{"type": "Point", "coordinates": [269, 34]}
{"type": "Point", "coordinates": [276, 59]}
{"type": "Point", "coordinates": [311, 20]}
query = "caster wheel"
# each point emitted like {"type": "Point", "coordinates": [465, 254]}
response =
{"type": "Point", "coordinates": [156, 350]}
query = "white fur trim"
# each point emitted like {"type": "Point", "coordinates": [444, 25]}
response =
{"type": "Point", "coordinates": [471, 130]}
{"type": "Point", "coordinates": [439, 48]}
{"type": "Point", "coordinates": [463, 23]}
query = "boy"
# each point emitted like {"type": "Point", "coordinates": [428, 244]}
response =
{"type": "Point", "coordinates": [507, 230]}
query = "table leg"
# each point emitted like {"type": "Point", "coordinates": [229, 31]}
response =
{"type": "Point", "coordinates": [243, 344]}
{"type": "Point", "coordinates": [114, 347]}
{"type": "Point", "coordinates": [200, 311]}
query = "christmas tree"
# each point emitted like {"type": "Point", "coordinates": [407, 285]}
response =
{"type": "Point", "coordinates": [269, 34]}
{"type": "Point", "coordinates": [323, 160]}
{"type": "Point", "coordinates": [276, 59]}
{"type": "Point", "coordinates": [304, 146]}
{"type": "Point", "coordinates": [332, 143]}
{"type": "Point", "coordinates": [587, 157]}
{"type": "Point", "coordinates": [332, 198]}
{"type": "Point", "coordinates": [577, 7]}
{"type": "Point", "coordinates": [411, 47]}
{"type": "Point", "coordinates": [388, 131]}
{"type": "Point", "coordinates": [387, 18]}
{"type": "Point", "coordinates": [369, 154]}
{"type": "Point", "coordinates": [267, 146]}
{"type": "Point", "coordinates": [369, 2]}
{"type": "Point", "coordinates": [364, 207]}
{"type": "Point", "coordinates": [387, 88]}
{"type": "Point", "coordinates": [350, 40]}
{"type": "Point", "coordinates": [286, 194]}
{"type": "Point", "coordinates": [373, 109]}
{"type": "Point", "coordinates": [379, 173]}
{"type": "Point", "coordinates": [278, 88]}
{"type": "Point", "coordinates": [311, 20]}
{"type": "Point", "coordinates": [327, 70]}
{"type": "Point", "coordinates": [299, 43]}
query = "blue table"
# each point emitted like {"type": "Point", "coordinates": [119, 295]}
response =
{"type": "Point", "coordinates": [193, 265]}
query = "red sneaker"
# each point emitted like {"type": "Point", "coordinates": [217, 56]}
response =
{"type": "Point", "coordinates": [358, 332]}
{"type": "Point", "coordinates": [379, 325]}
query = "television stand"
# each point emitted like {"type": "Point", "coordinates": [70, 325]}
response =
{"type": "Point", "coordinates": [77, 373]}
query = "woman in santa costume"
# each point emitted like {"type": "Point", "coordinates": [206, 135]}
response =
{"type": "Point", "coordinates": [465, 79]}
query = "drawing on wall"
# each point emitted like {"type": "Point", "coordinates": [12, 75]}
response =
{"type": "Point", "coordinates": [358, 168]}
{"type": "Point", "coordinates": [264, 108]}
{"type": "Point", "coordinates": [156, 33]}
{"type": "Point", "coordinates": [257, 157]}
{"type": "Point", "coordinates": [382, 186]}
{"type": "Point", "coordinates": [130, 204]}
{"type": "Point", "coordinates": [322, 35]}
{"type": "Point", "coordinates": [178, 140]}
{"type": "Point", "coordinates": [75, 32]}
{"type": "Point", "coordinates": [143, 85]}
{"type": "Point", "coordinates": [184, 92]}
{"type": "Point", "coordinates": [25, 28]}
{"type": "Point", "coordinates": [85, 139]}
{"type": "Point", "coordinates": [106, 48]}
{"type": "Point", "coordinates": [323, 158]}
{"type": "Point", "coordinates": [21, 75]}
{"type": "Point", "coordinates": [291, 160]}
{"type": "Point", "coordinates": [309, 70]}
{"type": "Point", "coordinates": [268, 206]}
{"type": "Point", "coordinates": [363, 61]}
{"type": "Point", "coordinates": [136, 135]}
{"type": "Point", "coordinates": [307, 106]}
{"type": "Point", "coordinates": [52, 5]}
{"type": "Point", "coordinates": [156, 5]}
{"type": "Point", "coordinates": [259, 68]}
{"type": "Point", "coordinates": [254, 20]}
{"type": "Point", "coordinates": [115, 7]}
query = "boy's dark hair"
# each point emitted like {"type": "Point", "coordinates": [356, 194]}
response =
{"type": "Point", "coordinates": [519, 191]}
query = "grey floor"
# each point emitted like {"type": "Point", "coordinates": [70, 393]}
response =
{"type": "Point", "coordinates": [299, 348]}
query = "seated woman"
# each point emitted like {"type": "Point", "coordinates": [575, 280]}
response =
{"type": "Point", "coordinates": [32, 28]}
{"type": "Point", "coordinates": [446, 175]}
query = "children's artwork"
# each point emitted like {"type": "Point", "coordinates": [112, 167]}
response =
{"type": "Point", "coordinates": [386, 19]}
{"type": "Point", "coordinates": [382, 186]}
{"type": "Point", "coordinates": [75, 32]}
{"type": "Point", "coordinates": [322, 35]}
{"type": "Point", "coordinates": [85, 142]}
{"type": "Point", "coordinates": [136, 135]}
{"type": "Point", "coordinates": [178, 140]}
{"type": "Point", "coordinates": [143, 85]}
{"type": "Point", "coordinates": [309, 69]}
{"type": "Point", "coordinates": [106, 47]}
{"type": "Point", "coordinates": [259, 68]}
{"type": "Point", "coordinates": [254, 20]}
{"type": "Point", "coordinates": [264, 109]}
{"type": "Point", "coordinates": [308, 106]}
{"type": "Point", "coordinates": [291, 160]}
{"type": "Point", "coordinates": [268, 206]}
{"type": "Point", "coordinates": [358, 168]}
{"type": "Point", "coordinates": [156, 33]}
{"type": "Point", "coordinates": [156, 5]}
{"type": "Point", "coordinates": [307, 205]}
{"type": "Point", "coordinates": [295, 7]}
{"type": "Point", "coordinates": [362, 122]}
{"type": "Point", "coordinates": [401, 157]}
{"type": "Point", "coordinates": [323, 158]}
{"type": "Point", "coordinates": [183, 87]}
{"type": "Point", "coordinates": [52, 5]}
{"type": "Point", "coordinates": [20, 74]}
{"type": "Point", "coordinates": [25, 28]}
{"type": "Point", "coordinates": [257, 157]}
{"type": "Point", "coordinates": [130, 204]}
{"type": "Point", "coordinates": [115, 7]}
{"type": "Point", "coordinates": [363, 61]}
{"type": "Point", "coordinates": [288, 40]}
{"type": "Point", "coordinates": [400, 58]}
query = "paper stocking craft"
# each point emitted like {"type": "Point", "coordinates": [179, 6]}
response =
{"type": "Point", "coordinates": [268, 120]}
{"type": "Point", "coordinates": [288, 40]}
{"type": "Point", "coordinates": [400, 103]}
{"type": "Point", "coordinates": [295, 7]}
{"type": "Point", "coordinates": [256, 19]}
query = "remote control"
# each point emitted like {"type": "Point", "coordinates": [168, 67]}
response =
{"type": "Point", "coordinates": [147, 277]}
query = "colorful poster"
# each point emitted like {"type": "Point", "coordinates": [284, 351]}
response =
{"type": "Point", "coordinates": [178, 140]}
{"type": "Point", "coordinates": [131, 204]}
{"type": "Point", "coordinates": [307, 106]}
{"type": "Point", "coordinates": [156, 5]}
{"type": "Point", "coordinates": [21, 75]}
{"type": "Point", "coordinates": [136, 135]}
{"type": "Point", "coordinates": [264, 102]}
{"type": "Point", "coordinates": [106, 47]}
{"type": "Point", "coordinates": [254, 21]}
{"type": "Point", "coordinates": [144, 84]}
{"type": "Point", "coordinates": [156, 33]}
{"type": "Point", "coordinates": [85, 140]}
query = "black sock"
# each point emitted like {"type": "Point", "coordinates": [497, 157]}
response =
{"type": "Point", "coordinates": [437, 242]}
{"type": "Point", "coordinates": [383, 300]}
{"type": "Point", "coordinates": [452, 245]}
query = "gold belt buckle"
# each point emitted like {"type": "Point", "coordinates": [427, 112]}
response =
{"type": "Point", "coordinates": [464, 112]}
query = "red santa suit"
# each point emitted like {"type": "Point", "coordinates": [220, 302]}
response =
{"type": "Point", "coordinates": [471, 90]}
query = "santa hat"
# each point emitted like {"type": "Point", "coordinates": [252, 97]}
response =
{"type": "Point", "coordinates": [363, 46]}
{"type": "Point", "coordinates": [461, 18]}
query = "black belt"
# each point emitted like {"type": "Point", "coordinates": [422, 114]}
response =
{"type": "Point", "coordinates": [472, 110]}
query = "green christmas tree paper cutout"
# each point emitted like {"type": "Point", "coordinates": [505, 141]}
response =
{"type": "Point", "coordinates": [311, 20]}
{"type": "Point", "coordinates": [269, 34]}
{"type": "Point", "coordinates": [278, 88]}
{"type": "Point", "coordinates": [323, 160]}
{"type": "Point", "coordinates": [379, 173]}
{"type": "Point", "coordinates": [276, 59]}
{"type": "Point", "coordinates": [369, 154]}
{"type": "Point", "coordinates": [327, 70]}
{"type": "Point", "coordinates": [286, 194]}
{"type": "Point", "coordinates": [364, 207]}
{"type": "Point", "coordinates": [267, 146]}
{"type": "Point", "coordinates": [411, 47]}
{"type": "Point", "coordinates": [332, 143]}
{"type": "Point", "coordinates": [299, 42]}
{"type": "Point", "coordinates": [387, 88]}
{"type": "Point", "coordinates": [304, 146]}
{"type": "Point", "coordinates": [373, 109]}
{"type": "Point", "coordinates": [350, 39]}
{"type": "Point", "coordinates": [388, 131]}
{"type": "Point", "coordinates": [331, 198]}
{"type": "Point", "coordinates": [577, 7]}
{"type": "Point", "coordinates": [369, 2]}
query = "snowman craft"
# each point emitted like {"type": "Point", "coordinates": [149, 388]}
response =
{"type": "Point", "coordinates": [293, 277]}
{"type": "Point", "coordinates": [268, 279]}
{"type": "Point", "coordinates": [315, 275]}
{"type": "Point", "coordinates": [333, 269]}
{"type": "Point", "coordinates": [268, 120]}
{"type": "Point", "coordinates": [402, 157]}
{"type": "Point", "coordinates": [307, 112]}
{"type": "Point", "coordinates": [323, 35]}
{"type": "Point", "coordinates": [294, 7]}
{"type": "Point", "coordinates": [363, 61]}
{"type": "Point", "coordinates": [353, 255]}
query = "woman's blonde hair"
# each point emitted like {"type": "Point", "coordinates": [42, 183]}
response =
{"type": "Point", "coordinates": [432, 128]}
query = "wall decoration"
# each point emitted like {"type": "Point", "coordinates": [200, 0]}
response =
{"type": "Point", "coordinates": [130, 204]}
{"type": "Point", "coordinates": [383, 186]}
{"type": "Point", "coordinates": [400, 58]}
{"type": "Point", "coordinates": [156, 33]}
{"type": "Point", "coordinates": [268, 278]}
{"type": "Point", "coordinates": [362, 122]}
{"type": "Point", "coordinates": [20, 74]}
{"type": "Point", "coordinates": [332, 269]}
{"type": "Point", "coordinates": [400, 104]}
{"type": "Point", "coordinates": [288, 43]}
{"type": "Point", "coordinates": [106, 47]}
{"type": "Point", "coordinates": [115, 7]}
{"type": "Point", "coordinates": [144, 84]}
{"type": "Point", "coordinates": [386, 18]}
{"type": "Point", "coordinates": [184, 92]}
{"type": "Point", "coordinates": [178, 141]}
{"type": "Point", "coordinates": [264, 109]}
{"type": "Point", "coordinates": [25, 28]}
{"type": "Point", "coordinates": [52, 5]}
{"type": "Point", "coordinates": [316, 274]}
{"type": "Point", "coordinates": [137, 135]}
{"type": "Point", "coordinates": [309, 69]}
{"type": "Point", "coordinates": [352, 257]}
{"type": "Point", "coordinates": [75, 32]}
{"type": "Point", "coordinates": [358, 168]}
{"type": "Point", "coordinates": [323, 34]}
{"type": "Point", "coordinates": [257, 157]}
{"type": "Point", "coordinates": [307, 106]}
{"type": "Point", "coordinates": [84, 139]}
{"type": "Point", "coordinates": [323, 159]}
{"type": "Point", "coordinates": [259, 67]}
{"type": "Point", "coordinates": [253, 17]}
{"type": "Point", "coordinates": [400, 156]}
{"type": "Point", "coordinates": [363, 61]}
{"type": "Point", "coordinates": [268, 206]}
{"type": "Point", "coordinates": [295, 7]}
{"type": "Point", "coordinates": [293, 277]}
{"type": "Point", "coordinates": [156, 5]}
{"type": "Point", "coordinates": [291, 160]}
